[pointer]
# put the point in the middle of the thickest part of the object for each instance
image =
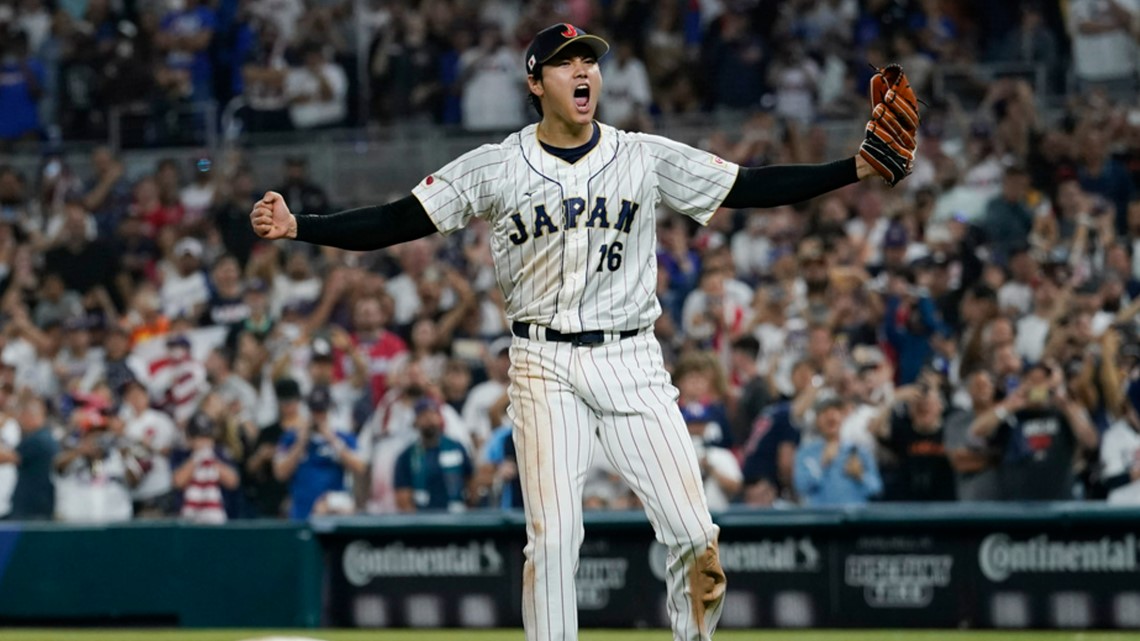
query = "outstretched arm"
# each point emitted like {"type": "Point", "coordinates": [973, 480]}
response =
{"type": "Point", "coordinates": [780, 185]}
{"type": "Point", "coordinates": [361, 229]}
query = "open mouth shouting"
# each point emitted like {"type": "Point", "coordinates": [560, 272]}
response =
{"type": "Point", "coordinates": [582, 98]}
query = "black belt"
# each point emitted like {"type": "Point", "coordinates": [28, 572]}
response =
{"type": "Point", "coordinates": [597, 337]}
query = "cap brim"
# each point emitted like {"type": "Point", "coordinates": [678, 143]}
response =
{"type": "Point", "coordinates": [597, 45]}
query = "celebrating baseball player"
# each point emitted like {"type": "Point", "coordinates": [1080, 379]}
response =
{"type": "Point", "coordinates": [571, 204]}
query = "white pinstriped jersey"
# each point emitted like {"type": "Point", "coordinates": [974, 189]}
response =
{"type": "Point", "coordinates": [575, 244]}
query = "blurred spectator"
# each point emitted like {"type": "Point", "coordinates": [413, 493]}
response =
{"type": "Point", "coordinates": [314, 458]}
{"type": "Point", "coordinates": [769, 454]}
{"type": "Point", "coordinates": [1016, 295]}
{"type": "Point", "coordinates": [1033, 327]}
{"type": "Point", "coordinates": [300, 192]}
{"type": "Point", "coordinates": [974, 461]}
{"type": "Point", "coordinates": [435, 472]}
{"type": "Point", "coordinates": [108, 193]}
{"type": "Point", "coordinates": [263, 80]}
{"type": "Point", "coordinates": [481, 398]}
{"type": "Point", "coordinates": [703, 391]}
{"type": "Point", "coordinates": [1100, 174]}
{"type": "Point", "coordinates": [317, 92]}
{"type": "Point", "coordinates": [230, 216]}
{"type": "Point", "coordinates": [751, 389]}
{"type": "Point", "coordinates": [33, 497]}
{"type": "Point", "coordinates": [794, 78]}
{"type": "Point", "coordinates": [678, 266]}
{"type": "Point", "coordinates": [185, 289]}
{"type": "Point", "coordinates": [1008, 219]}
{"type": "Point", "coordinates": [153, 436]}
{"type": "Point", "coordinates": [382, 349]}
{"type": "Point", "coordinates": [198, 196]}
{"type": "Point", "coordinates": [156, 211]}
{"type": "Point", "coordinates": [56, 303]}
{"type": "Point", "coordinates": [719, 467]}
{"type": "Point", "coordinates": [21, 85]}
{"type": "Point", "coordinates": [736, 59]}
{"type": "Point", "coordinates": [1120, 453]}
{"type": "Point", "coordinates": [184, 36]}
{"type": "Point", "coordinates": [177, 379]}
{"type": "Point", "coordinates": [627, 95]}
{"type": "Point", "coordinates": [234, 394]}
{"type": "Point", "coordinates": [264, 494]}
{"type": "Point", "coordinates": [712, 315]}
{"type": "Point", "coordinates": [829, 471]}
{"type": "Point", "coordinates": [1038, 428]}
{"type": "Point", "coordinates": [10, 435]}
{"type": "Point", "coordinates": [76, 356]}
{"type": "Point", "coordinates": [491, 87]}
{"type": "Point", "coordinates": [226, 305]}
{"type": "Point", "coordinates": [94, 478]}
{"type": "Point", "coordinates": [281, 15]}
{"type": "Point", "coordinates": [910, 320]}
{"type": "Point", "coordinates": [349, 390]}
{"type": "Point", "coordinates": [202, 472]}
{"type": "Point", "coordinates": [912, 431]}
{"type": "Point", "coordinates": [1104, 52]}
{"type": "Point", "coordinates": [144, 320]}
{"type": "Point", "coordinates": [80, 260]}
{"type": "Point", "coordinates": [500, 462]}
{"type": "Point", "coordinates": [411, 71]}
{"type": "Point", "coordinates": [1031, 43]}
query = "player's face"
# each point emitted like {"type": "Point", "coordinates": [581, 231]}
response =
{"type": "Point", "coordinates": [571, 85]}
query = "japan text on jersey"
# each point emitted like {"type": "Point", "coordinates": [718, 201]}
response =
{"type": "Point", "coordinates": [575, 244]}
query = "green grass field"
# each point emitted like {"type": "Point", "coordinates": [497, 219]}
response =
{"type": "Point", "coordinates": [516, 635]}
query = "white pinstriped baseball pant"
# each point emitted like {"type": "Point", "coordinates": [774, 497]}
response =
{"type": "Point", "coordinates": [561, 395]}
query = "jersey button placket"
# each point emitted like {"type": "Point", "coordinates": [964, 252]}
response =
{"type": "Point", "coordinates": [576, 244]}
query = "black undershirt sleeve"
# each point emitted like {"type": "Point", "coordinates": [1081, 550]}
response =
{"type": "Point", "coordinates": [778, 185]}
{"type": "Point", "coordinates": [368, 228]}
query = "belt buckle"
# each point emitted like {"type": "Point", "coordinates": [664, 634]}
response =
{"type": "Point", "coordinates": [588, 339]}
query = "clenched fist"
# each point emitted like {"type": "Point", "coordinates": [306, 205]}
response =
{"type": "Point", "coordinates": [271, 218]}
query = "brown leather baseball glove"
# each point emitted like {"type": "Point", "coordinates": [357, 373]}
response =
{"type": "Point", "coordinates": [891, 138]}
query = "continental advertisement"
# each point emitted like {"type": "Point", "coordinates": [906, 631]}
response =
{"type": "Point", "coordinates": [882, 573]}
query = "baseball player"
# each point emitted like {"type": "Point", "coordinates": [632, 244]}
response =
{"type": "Point", "coordinates": [571, 205]}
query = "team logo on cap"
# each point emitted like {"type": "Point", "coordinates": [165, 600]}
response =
{"type": "Point", "coordinates": [570, 31]}
{"type": "Point", "coordinates": [530, 63]}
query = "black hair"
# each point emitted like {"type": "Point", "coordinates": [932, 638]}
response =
{"type": "Point", "coordinates": [531, 97]}
{"type": "Point", "coordinates": [747, 344]}
{"type": "Point", "coordinates": [228, 355]}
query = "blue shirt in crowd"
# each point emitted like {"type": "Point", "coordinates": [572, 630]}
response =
{"type": "Point", "coordinates": [437, 476]}
{"type": "Point", "coordinates": [20, 115]}
{"type": "Point", "coordinates": [191, 22]}
{"type": "Point", "coordinates": [819, 484]}
{"type": "Point", "coordinates": [318, 472]}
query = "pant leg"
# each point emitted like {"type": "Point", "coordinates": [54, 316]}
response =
{"type": "Point", "coordinates": [646, 439]}
{"type": "Point", "coordinates": [554, 446]}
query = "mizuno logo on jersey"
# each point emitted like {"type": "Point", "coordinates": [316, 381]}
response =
{"type": "Point", "coordinates": [573, 212]}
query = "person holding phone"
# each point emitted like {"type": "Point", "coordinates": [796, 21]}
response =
{"type": "Point", "coordinates": [830, 470]}
{"type": "Point", "coordinates": [1038, 428]}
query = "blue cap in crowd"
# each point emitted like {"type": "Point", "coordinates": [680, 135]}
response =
{"type": "Point", "coordinates": [696, 413]}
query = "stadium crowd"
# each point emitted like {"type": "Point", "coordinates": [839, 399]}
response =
{"type": "Point", "coordinates": [69, 66]}
{"type": "Point", "coordinates": [970, 335]}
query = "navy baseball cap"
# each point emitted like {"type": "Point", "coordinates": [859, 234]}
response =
{"type": "Point", "coordinates": [426, 404]}
{"type": "Point", "coordinates": [200, 425]}
{"type": "Point", "coordinates": [319, 399]}
{"type": "Point", "coordinates": [555, 38]}
{"type": "Point", "coordinates": [896, 236]}
{"type": "Point", "coordinates": [696, 413]}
